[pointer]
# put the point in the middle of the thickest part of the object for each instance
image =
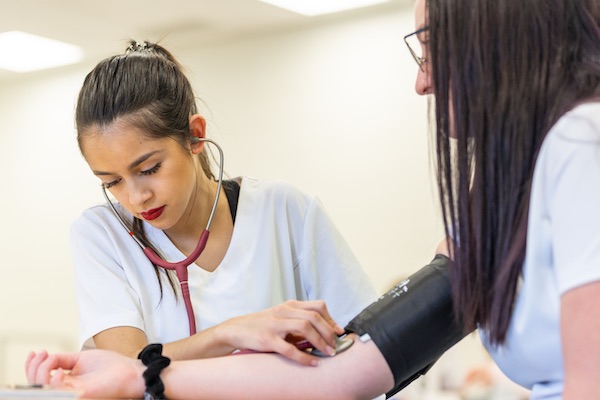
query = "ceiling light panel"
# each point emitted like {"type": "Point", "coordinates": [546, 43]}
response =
{"type": "Point", "coordinates": [24, 52]}
{"type": "Point", "coordinates": [317, 7]}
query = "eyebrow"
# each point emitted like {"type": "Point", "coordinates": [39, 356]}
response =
{"type": "Point", "coordinates": [134, 164]}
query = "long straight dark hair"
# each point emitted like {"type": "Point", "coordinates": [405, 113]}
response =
{"type": "Point", "coordinates": [503, 73]}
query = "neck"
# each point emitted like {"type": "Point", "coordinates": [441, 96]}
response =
{"type": "Point", "coordinates": [195, 218]}
{"type": "Point", "coordinates": [188, 233]}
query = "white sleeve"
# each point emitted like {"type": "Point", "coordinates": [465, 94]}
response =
{"type": "Point", "coordinates": [574, 201]}
{"type": "Point", "coordinates": [105, 296]}
{"type": "Point", "coordinates": [329, 270]}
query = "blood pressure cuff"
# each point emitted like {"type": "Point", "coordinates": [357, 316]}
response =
{"type": "Point", "coordinates": [413, 324]}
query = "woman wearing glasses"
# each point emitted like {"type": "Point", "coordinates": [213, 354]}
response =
{"type": "Point", "coordinates": [517, 97]}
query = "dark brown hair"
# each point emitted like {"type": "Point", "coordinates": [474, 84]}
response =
{"type": "Point", "coordinates": [145, 87]}
{"type": "Point", "coordinates": [504, 72]}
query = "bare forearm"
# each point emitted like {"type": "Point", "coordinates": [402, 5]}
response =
{"type": "Point", "coordinates": [265, 331]}
{"type": "Point", "coordinates": [208, 343]}
{"type": "Point", "coordinates": [130, 341]}
{"type": "Point", "coordinates": [359, 373]}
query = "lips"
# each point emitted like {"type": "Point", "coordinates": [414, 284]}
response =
{"type": "Point", "coordinates": [152, 214]}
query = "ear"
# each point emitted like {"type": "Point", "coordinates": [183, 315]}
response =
{"type": "Point", "coordinates": [197, 129]}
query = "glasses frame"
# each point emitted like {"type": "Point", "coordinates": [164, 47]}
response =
{"type": "Point", "coordinates": [418, 60]}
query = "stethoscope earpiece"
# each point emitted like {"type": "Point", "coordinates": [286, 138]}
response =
{"type": "Point", "coordinates": [195, 140]}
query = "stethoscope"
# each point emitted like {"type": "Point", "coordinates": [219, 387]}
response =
{"type": "Point", "coordinates": [180, 267]}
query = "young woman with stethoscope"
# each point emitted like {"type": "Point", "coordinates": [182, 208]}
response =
{"type": "Point", "coordinates": [146, 267]}
{"type": "Point", "coordinates": [517, 134]}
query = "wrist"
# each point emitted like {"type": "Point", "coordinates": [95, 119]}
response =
{"type": "Point", "coordinates": [139, 385]}
{"type": "Point", "coordinates": [151, 356]}
{"type": "Point", "coordinates": [224, 338]}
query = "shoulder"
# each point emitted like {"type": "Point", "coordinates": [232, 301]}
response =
{"type": "Point", "coordinates": [575, 138]}
{"type": "Point", "coordinates": [96, 218]}
{"type": "Point", "coordinates": [93, 214]}
{"type": "Point", "coordinates": [569, 159]}
{"type": "Point", "coordinates": [265, 198]}
{"type": "Point", "coordinates": [581, 125]}
{"type": "Point", "coordinates": [275, 189]}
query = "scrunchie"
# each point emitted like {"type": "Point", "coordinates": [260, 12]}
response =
{"type": "Point", "coordinates": [152, 357]}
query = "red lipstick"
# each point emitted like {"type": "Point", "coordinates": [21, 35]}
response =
{"type": "Point", "coordinates": [152, 214]}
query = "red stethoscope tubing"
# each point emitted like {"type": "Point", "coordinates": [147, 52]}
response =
{"type": "Point", "coordinates": [181, 270]}
{"type": "Point", "coordinates": [179, 267]}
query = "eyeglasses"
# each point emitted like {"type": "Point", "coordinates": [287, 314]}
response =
{"type": "Point", "coordinates": [415, 47]}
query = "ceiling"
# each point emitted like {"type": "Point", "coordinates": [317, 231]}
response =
{"type": "Point", "coordinates": [102, 28]}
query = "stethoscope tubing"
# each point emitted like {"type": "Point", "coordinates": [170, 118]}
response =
{"type": "Point", "coordinates": [180, 267]}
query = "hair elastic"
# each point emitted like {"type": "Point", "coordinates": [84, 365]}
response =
{"type": "Point", "coordinates": [137, 46]}
{"type": "Point", "coordinates": [152, 357]}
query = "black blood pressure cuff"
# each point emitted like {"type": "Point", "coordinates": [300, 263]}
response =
{"type": "Point", "coordinates": [413, 324]}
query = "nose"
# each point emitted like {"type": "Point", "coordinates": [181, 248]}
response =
{"type": "Point", "coordinates": [138, 192]}
{"type": "Point", "coordinates": [423, 84]}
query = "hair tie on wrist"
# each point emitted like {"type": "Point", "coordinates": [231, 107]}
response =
{"type": "Point", "coordinates": [152, 357]}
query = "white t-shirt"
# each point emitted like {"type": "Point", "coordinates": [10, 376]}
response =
{"type": "Point", "coordinates": [283, 247]}
{"type": "Point", "coordinates": [563, 250]}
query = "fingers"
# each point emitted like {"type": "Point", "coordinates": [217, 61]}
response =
{"type": "Point", "coordinates": [309, 320]}
{"type": "Point", "coordinates": [306, 330]}
{"type": "Point", "coordinates": [32, 364]}
{"type": "Point", "coordinates": [62, 380]}
{"type": "Point", "coordinates": [30, 357]}
{"type": "Point", "coordinates": [279, 328]}
{"type": "Point", "coordinates": [314, 312]}
{"type": "Point", "coordinates": [39, 367]}
{"type": "Point", "coordinates": [290, 351]}
{"type": "Point", "coordinates": [320, 307]}
{"type": "Point", "coordinates": [57, 378]}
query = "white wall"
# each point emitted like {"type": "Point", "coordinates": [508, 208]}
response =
{"type": "Point", "coordinates": [333, 110]}
{"type": "Point", "coordinates": [329, 107]}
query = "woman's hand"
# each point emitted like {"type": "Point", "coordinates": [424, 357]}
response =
{"type": "Point", "coordinates": [91, 373]}
{"type": "Point", "coordinates": [278, 329]}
